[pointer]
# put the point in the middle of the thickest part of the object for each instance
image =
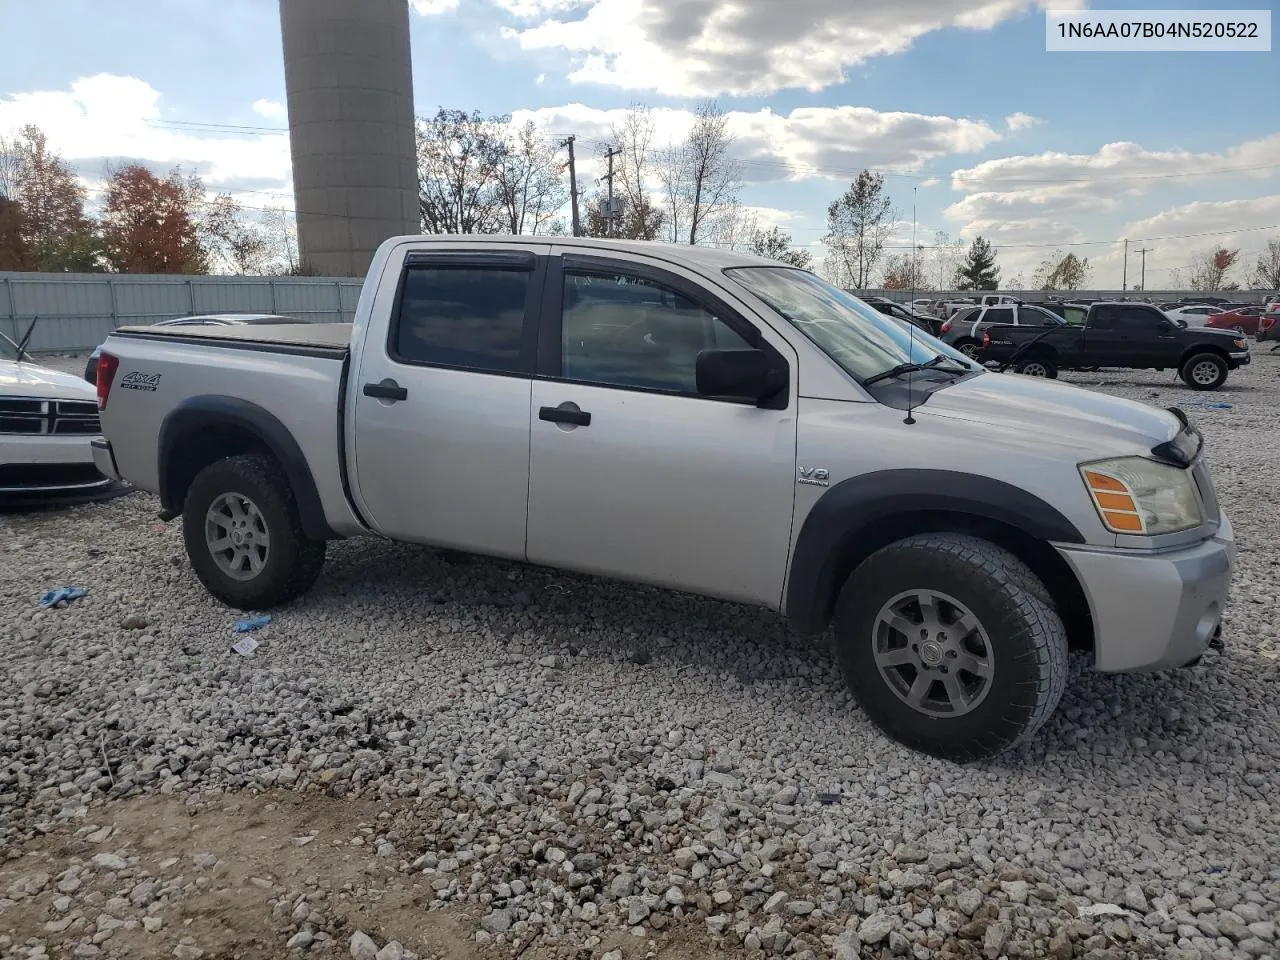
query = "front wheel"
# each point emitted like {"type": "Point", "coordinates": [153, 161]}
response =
{"type": "Point", "coordinates": [951, 646]}
{"type": "Point", "coordinates": [1204, 371]}
{"type": "Point", "coordinates": [244, 535]}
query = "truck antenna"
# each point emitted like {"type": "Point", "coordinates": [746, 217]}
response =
{"type": "Point", "coordinates": [911, 312]}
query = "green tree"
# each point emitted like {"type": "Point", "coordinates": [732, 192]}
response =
{"type": "Point", "coordinates": [776, 245]}
{"type": "Point", "coordinates": [979, 270]}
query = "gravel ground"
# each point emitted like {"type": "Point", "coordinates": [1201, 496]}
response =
{"type": "Point", "coordinates": [435, 756]}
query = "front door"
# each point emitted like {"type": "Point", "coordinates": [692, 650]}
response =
{"type": "Point", "coordinates": [442, 406]}
{"type": "Point", "coordinates": [632, 474]}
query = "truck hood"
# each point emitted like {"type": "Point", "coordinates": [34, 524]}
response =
{"type": "Point", "coordinates": [1029, 408]}
{"type": "Point", "coordinates": [41, 383]}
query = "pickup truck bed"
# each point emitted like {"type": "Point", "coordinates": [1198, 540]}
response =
{"type": "Point", "coordinates": [335, 337]}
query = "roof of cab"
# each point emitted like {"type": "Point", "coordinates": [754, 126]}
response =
{"type": "Point", "coordinates": [705, 258]}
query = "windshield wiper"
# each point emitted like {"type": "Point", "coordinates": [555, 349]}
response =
{"type": "Point", "coordinates": [904, 368]}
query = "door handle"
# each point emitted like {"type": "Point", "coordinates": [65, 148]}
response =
{"type": "Point", "coordinates": [386, 390]}
{"type": "Point", "coordinates": [561, 415]}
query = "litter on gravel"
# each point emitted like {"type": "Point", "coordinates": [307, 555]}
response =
{"type": "Point", "coordinates": [62, 595]}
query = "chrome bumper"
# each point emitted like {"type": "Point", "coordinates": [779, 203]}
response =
{"type": "Point", "coordinates": [104, 459]}
{"type": "Point", "coordinates": [1155, 611]}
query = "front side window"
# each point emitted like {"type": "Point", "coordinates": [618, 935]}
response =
{"type": "Point", "coordinates": [469, 317]}
{"type": "Point", "coordinates": [1037, 317]}
{"type": "Point", "coordinates": [998, 315]}
{"type": "Point", "coordinates": [860, 339]}
{"type": "Point", "coordinates": [1139, 318]}
{"type": "Point", "coordinates": [623, 331]}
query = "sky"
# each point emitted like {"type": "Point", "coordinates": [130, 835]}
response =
{"type": "Point", "coordinates": [956, 102]}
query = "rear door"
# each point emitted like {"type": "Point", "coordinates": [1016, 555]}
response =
{"type": "Point", "coordinates": [442, 404]}
{"type": "Point", "coordinates": [633, 474]}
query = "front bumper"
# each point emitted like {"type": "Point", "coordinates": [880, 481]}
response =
{"type": "Point", "coordinates": [1241, 359]}
{"type": "Point", "coordinates": [1155, 610]}
{"type": "Point", "coordinates": [47, 464]}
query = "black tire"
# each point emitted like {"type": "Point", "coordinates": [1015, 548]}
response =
{"type": "Point", "coordinates": [1037, 367]}
{"type": "Point", "coordinates": [293, 560]}
{"type": "Point", "coordinates": [1028, 643]}
{"type": "Point", "coordinates": [1193, 375]}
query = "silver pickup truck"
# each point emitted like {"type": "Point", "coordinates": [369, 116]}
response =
{"type": "Point", "coordinates": [705, 421]}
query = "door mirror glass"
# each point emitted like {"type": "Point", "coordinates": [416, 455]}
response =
{"type": "Point", "coordinates": [736, 374]}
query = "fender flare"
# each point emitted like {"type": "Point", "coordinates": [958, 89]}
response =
{"type": "Point", "coordinates": [206, 412]}
{"type": "Point", "coordinates": [852, 505]}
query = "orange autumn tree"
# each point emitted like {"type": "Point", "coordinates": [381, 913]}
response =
{"type": "Point", "coordinates": [43, 221]}
{"type": "Point", "coordinates": [150, 225]}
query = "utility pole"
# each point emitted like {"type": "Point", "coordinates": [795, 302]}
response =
{"type": "Point", "coordinates": [609, 176]}
{"type": "Point", "coordinates": [1144, 251]}
{"type": "Point", "coordinates": [573, 185]}
{"type": "Point", "coordinates": [1124, 282]}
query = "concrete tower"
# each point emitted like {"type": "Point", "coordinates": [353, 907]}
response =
{"type": "Point", "coordinates": [351, 128]}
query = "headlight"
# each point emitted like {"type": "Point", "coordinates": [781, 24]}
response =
{"type": "Point", "coordinates": [1242, 344]}
{"type": "Point", "coordinates": [1139, 496]}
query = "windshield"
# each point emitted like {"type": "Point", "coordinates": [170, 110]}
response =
{"type": "Point", "coordinates": [858, 337]}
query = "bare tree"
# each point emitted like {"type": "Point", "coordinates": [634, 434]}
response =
{"type": "Point", "coordinates": [529, 184]}
{"type": "Point", "coordinates": [1208, 269]}
{"type": "Point", "coordinates": [858, 224]}
{"type": "Point", "coordinates": [1266, 272]}
{"type": "Point", "coordinates": [734, 229]}
{"type": "Point", "coordinates": [459, 156]}
{"type": "Point", "coordinates": [700, 179]}
{"type": "Point", "coordinates": [10, 167]}
{"type": "Point", "coordinates": [281, 231]}
{"type": "Point", "coordinates": [1061, 272]}
{"type": "Point", "coordinates": [634, 138]}
{"type": "Point", "coordinates": [902, 271]}
{"type": "Point", "coordinates": [232, 240]}
{"type": "Point", "coordinates": [947, 254]}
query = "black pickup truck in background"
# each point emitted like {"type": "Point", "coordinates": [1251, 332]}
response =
{"type": "Point", "coordinates": [1127, 335]}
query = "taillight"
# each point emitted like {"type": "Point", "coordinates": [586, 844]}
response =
{"type": "Point", "coordinates": [107, 367]}
{"type": "Point", "coordinates": [946, 327]}
{"type": "Point", "coordinates": [986, 340]}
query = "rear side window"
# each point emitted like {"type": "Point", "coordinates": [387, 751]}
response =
{"type": "Point", "coordinates": [469, 317]}
{"type": "Point", "coordinates": [1104, 318]}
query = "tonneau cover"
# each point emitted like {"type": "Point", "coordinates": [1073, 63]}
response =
{"type": "Point", "coordinates": [304, 336]}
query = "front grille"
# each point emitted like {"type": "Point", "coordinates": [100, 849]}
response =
{"type": "Point", "coordinates": [50, 475]}
{"type": "Point", "coordinates": [22, 415]}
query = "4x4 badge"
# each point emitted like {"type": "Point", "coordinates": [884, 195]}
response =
{"type": "Point", "coordinates": [814, 476]}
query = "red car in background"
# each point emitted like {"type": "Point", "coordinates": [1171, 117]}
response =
{"type": "Point", "coordinates": [1246, 320]}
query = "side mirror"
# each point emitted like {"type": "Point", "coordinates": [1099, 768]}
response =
{"type": "Point", "coordinates": [740, 374]}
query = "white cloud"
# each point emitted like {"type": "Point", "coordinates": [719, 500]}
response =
{"type": "Point", "coordinates": [430, 8]}
{"type": "Point", "coordinates": [271, 109]}
{"type": "Point", "coordinates": [1175, 235]}
{"type": "Point", "coordinates": [109, 117]}
{"type": "Point", "coordinates": [1058, 198]}
{"type": "Point", "coordinates": [1021, 121]}
{"type": "Point", "coordinates": [745, 47]}
{"type": "Point", "coordinates": [541, 79]}
{"type": "Point", "coordinates": [808, 143]}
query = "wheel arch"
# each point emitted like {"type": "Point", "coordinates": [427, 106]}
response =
{"type": "Point", "coordinates": [205, 429]}
{"type": "Point", "coordinates": [1197, 350]}
{"type": "Point", "coordinates": [858, 516]}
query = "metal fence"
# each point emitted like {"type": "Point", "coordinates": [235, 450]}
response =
{"type": "Point", "coordinates": [1039, 296]}
{"type": "Point", "coordinates": [75, 312]}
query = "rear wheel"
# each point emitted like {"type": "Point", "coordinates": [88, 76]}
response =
{"type": "Point", "coordinates": [970, 348]}
{"type": "Point", "coordinates": [948, 647]}
{"type": "Point", "coordinates": [1204, 371]}
{"type": "Point", "coordinates": [1038, 367]}
{"type": "Point", "coordinates": [244, 536]}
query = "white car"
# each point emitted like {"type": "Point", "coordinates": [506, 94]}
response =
{"type": "Point", "coordinates": [47, 420]}
{"type": "Point", "coordinates": [1196, 314]}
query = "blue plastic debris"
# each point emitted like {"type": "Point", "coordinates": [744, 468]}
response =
{"type": "Point", "coordinates": [253, 623]}
{"type": "Point", "coordinates": [62, 595]}
{"type": "Point", "coordinates": [1209, 404]}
